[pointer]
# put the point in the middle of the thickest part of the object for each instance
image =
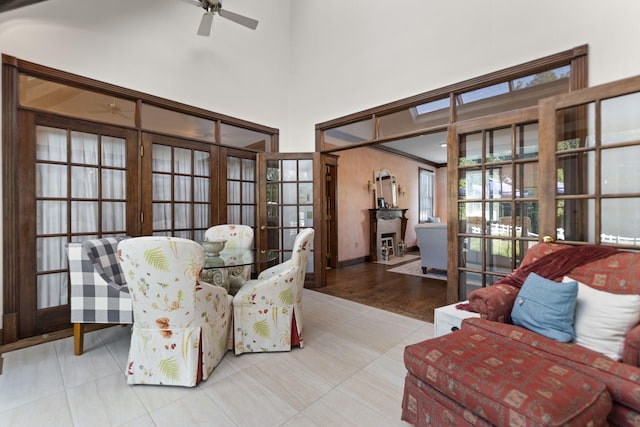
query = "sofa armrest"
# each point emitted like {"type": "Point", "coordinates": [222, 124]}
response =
{"type": "Point", "coordinates": [631, 352]}
{"type": "Point", "coordinates": [494, 302]}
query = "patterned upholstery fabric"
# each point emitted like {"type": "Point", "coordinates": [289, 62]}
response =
{"type": "Point", "coordinates": [237, 236]}
{"type": "Point", "coordinates": [618, 273]}
{"type": "Point", "coordinates": [99, 293]}
{"type": "Point", "coordinates": [501, 384]}
{"type": "Point", "coordinates": [622, 380]}
{"type": "Point", "coordinates": [181, 325]}
{"type": "Point", "coordinates": [267, 312]}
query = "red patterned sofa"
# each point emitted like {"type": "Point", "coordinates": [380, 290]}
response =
{"type": "Point", "coordinates": [492, 372]}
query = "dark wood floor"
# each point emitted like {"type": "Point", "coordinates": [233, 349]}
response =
{"type": "Point", "coordinates": [370, 283]}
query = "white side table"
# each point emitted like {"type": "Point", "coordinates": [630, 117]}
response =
{"type": "Point", "coordinates": [448, 318]}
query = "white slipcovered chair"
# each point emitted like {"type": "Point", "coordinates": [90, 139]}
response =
{"type": "Point", "coordinates": [268, 310]}
{"type": "Point", "coordinates": [99, 292]}
{"type": "Point", "coordinates": [237, 236]}
{"type": "Point", "coordinates": [181, 324]}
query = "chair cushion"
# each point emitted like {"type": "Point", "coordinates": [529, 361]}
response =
{"type": "Point", "coordinates": [506, 385]}
{"type": "Point", "coordinates": [104, 254]}
{"type": "Point", "coordinates": [546, 307]}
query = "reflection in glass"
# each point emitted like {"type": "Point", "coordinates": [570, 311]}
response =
{"type": "Point", "coordinates": [290, 216]}
{"type": "Point", "coordinates": [527, 141]}
{"type": "Point", "coordinates": [351, 133]}
{"type": "Point", "coordinates": [234, 136]}
{"type": "Point", "coordinates": [412, 119]}
{"type": "Point", "coordinates": [576, 127]}
{"type": "Point", "coordinates": [470, 149]}
{"type": "Point", "coordinates": [499, 182]}
{"type": "Point", "coordinates": [273, 194]}
{"type": "Point", "coordinates": [526, 180]}
{"type": "Point", "coordinates": [620, 119]}
{"type": "Point", "coordinates": [576, 173]}
{"type": "Point", "coordinates": [305, 168]}
{"type": "Point", "coordinates": [289, 170]}
{"type": "Point", "coordinates": [75, 102]}
{"type": "Point", "coordinates": [470, 184]}
{"type": "Point", "coordinates": [499, 255]}
{"type": "Point", "coordinates": [576, 220]}
{"type": "Point", "coordinates": [179, 124]}
{"type": "Point", "coordinates": [619, 170]}
{"type": "Point", "coordinates": [289, 194]}
{"type": "Point", "coordinates": [473, 254]}
{"type": "Point", "coordinates": [498, 145]}
{"type": "Point", "coordinates": [305, 190]}
{"type": "Point", "coordinates": [471, 219]}
{"type": "Point", "coordinates": [619, 221]}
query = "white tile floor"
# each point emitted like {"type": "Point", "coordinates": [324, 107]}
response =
{"type": "Point", "coordinates": [349, 373]}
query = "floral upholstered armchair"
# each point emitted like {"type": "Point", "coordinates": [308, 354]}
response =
{"type": "Point", "coordinates": [181, 324]}
{"type": "Point", "coordinates": [237, 236]}
{"type": "Point", "coordinates": [268, 310]}
{"type": "Point", "coordinates": [99, 292]}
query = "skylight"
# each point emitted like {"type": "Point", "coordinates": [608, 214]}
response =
{"type": "Point", "coordinates": [430, 107]}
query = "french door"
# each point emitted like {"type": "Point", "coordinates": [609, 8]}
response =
{"type": "Point", "coordinates": [77, 182]}
{"type": "Point", "coordinates": [180, 187]}
{"type": "Point", "coordinates": [290, 201]}
{"type": "Point", "coordinates": [494, 202]}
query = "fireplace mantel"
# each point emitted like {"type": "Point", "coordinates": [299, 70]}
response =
{"type": "Point", "coordinates": [377, 217]}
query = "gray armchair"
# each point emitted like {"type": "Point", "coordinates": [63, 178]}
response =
{"type": "Point", "coordinates": [432, 241]}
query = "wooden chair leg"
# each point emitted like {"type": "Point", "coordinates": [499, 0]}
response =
{"type": "Point", "coordinates": [78, 338]}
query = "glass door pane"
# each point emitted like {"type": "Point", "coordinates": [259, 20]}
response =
{"type": "Point", "coordinates": [181, 191]}
{"type": "Point", "coordinates": [289, 203]}
{"type": "Point", "coordinates": [80, 189]}
{"type": "Point", "coordinates": [497, 201]}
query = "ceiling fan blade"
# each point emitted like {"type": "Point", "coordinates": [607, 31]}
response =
{"type": "Point", "coordinates": [205, 24]}
{"type": "Point", "coordinates": [239, 19]}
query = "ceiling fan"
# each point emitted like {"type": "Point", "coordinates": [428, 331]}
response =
{"type": "Point", "coordinates": [215, 6]}
{"type": "Point", "coordinates": [112, 108]}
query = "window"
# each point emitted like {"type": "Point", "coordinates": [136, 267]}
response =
{"type": "Point", "coordinates": [426, 188]}
{"type": "Point", "coordinates": [596, 152]}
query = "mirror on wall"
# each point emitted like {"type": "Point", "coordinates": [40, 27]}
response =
{"type": "Point", "coordinates": [386, 189]}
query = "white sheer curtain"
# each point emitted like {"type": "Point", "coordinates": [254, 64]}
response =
{"type": "Point", "coordinates": [54, 170]}
{"type": "Point", "coordinates": [176, 212]}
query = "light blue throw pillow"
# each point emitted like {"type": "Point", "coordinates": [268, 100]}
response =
{"type": "Point", "coordinates": [546, 307]}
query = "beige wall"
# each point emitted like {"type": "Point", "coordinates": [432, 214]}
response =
{"type": "Point", "coordinates": [355, 169]}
